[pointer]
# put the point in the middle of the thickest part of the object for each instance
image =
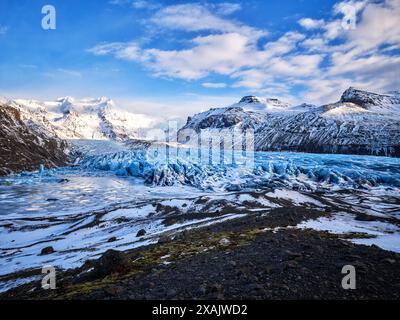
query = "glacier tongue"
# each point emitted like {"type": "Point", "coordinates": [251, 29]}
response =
{"type": "Point", "coordinates": [268, 169]}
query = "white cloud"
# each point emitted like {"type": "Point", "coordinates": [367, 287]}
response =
{"type": "Point", "coordinates": [214, 85]}
{"type": "Point", "coordinates": [296, 65]}
{"type": "Point", "coordinates": [315, 44]}
{"type": "Point", "coordinates": [227, 8]}
{"type": "Point", "coordinates": [283, 45]}
{"type": "Point", "coordinates": [107, 48]}
{"type": "Point", "coordinates": [126, 51]}
{"type": "Point", "coordinates": [136, 4]}
{"type": "Point", "coordinates": [119, 2]}
{"type": "Point", "coordinates": [379, 25]}
{"type": "Point", "coordinates": [196, 17]}
{"type": "Point", "coordinates": [142, 4]}
{"type": "Point", "coordinates": [334, 29]}
{"type": "Point", "coordinates": [251, 78]}
{"type": "Point", "coordinates": [356, 5]}
{"type": "Point", "coordinates": [175, 107]}
{"type": "Point", "coordinates": [309, 23]}
{"type": "Point", "coordinates": [361, 57]}
{"type": "Point", "coordinates": [224, 54]}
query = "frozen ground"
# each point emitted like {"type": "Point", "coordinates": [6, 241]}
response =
{"type": "Point", "coordinates": [111, 195]}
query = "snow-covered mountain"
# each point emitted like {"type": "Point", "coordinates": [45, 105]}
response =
{"type": "Point", "coordinates": [389, 102]}
{"type": "Point", "coordinates": [68, 118]}
{"type": "Point", "coordinates": [38, 130]}
{"type": "Point", "coordinates": [360, 123]}
{"type": "Point", "coordinates": [253, 103]}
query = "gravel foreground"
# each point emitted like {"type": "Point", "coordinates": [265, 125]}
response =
{"type": "Point", "coordinates": [259, 256]}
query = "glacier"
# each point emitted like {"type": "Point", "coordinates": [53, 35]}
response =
{"type": "Point", "coordinates": [303, 170]}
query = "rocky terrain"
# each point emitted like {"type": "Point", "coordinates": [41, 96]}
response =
{"type": "Point", "coordinates": [23, 147]}
{"type": "Point", "coordinates": [360, 123]}
{"type": "Point", "coordinates": [259, 256]}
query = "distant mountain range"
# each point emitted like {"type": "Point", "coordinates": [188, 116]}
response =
{"type": "Point", "coordinates": [67, 118]}
{"type": "Point", "coordinates": [35, 132]}
{"type": "Point", "coordinates": [360, 123]}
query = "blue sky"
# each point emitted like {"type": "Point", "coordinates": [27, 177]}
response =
{"type": "Point", "coordinates": [179, 57]}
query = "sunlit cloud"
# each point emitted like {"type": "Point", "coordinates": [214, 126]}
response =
{"type": "Point", "coordinates": [327, 56]}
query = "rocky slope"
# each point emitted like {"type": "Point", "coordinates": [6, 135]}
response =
{"type": "Point", "coordinates": [360, 123]}
{"type": "Point", "coordinates": [24, 147]}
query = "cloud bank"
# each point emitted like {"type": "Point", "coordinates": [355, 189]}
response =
{"type": "Point", "coordinates": [314, 62]}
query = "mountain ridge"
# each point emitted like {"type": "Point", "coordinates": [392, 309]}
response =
{"type": "Point", "coordinates": [68, 118]}
{"type": "Point", "coordinates": [360, 122]}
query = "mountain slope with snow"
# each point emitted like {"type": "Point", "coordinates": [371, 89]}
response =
{"type": "Point", "coordinates": [26, 148]}
{"type": "Point", "coordinates": [360, 123]}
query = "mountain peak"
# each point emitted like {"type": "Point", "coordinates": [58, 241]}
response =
{"type": "Point", "coordinates": [366, 99]}
{"type": "Point", "coordinates": [250, 99]}
{"type": "Point", "coordinates": [66, 99]}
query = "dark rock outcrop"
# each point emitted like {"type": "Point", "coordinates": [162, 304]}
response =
{"type": "Point", "coordinates": [25, 148]}
{"type": "Point", "coordinates": [112, 261]}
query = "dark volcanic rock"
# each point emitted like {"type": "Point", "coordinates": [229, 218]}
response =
{"type": "Point", "coordinates": [47, 250]}
{"type": "Point", "coordinates": [110, 262]}
{"type": "Point", "coordinates": [141, 233]}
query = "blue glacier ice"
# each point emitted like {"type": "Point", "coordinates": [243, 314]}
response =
{"type": "Point", "coordinates": [99, 180]}
{"type": "Point", "coordinates": [308, 170]}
